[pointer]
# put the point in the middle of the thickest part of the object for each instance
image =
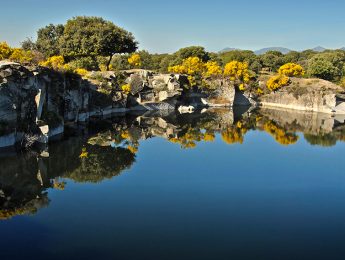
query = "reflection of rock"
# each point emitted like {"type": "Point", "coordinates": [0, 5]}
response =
{"type": "Point", "coordinates": [318, 128]}
{"type": "Point", "coordinates": [306, 122]}
{"type": "Point", "coordinates": [22, 192]}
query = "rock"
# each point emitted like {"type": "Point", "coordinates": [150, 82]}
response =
{"type": "Point", "coordinates": [186, 109]}
{"type": "Point", "coordinates": [245, 99]}
{"type": "Point", "coordinates": [222, 93]}
{"type": "Point", "coordinates": [158, 106]}
{"type": "Point", "coordinates": [307, 99]}
{"type": "Point", "coordinates": [136, 83]}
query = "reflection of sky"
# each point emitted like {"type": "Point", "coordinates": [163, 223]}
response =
{"type": "Point", "coordinates": [258, 200]}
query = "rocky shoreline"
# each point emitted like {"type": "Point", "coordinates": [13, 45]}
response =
{"type": "Point", "coordinates": [36, 103]}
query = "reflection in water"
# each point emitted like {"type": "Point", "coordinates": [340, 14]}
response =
{"type": "Point", "coordinates": [25, 178]}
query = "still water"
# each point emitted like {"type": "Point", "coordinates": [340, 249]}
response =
{"type": "Point", "coordinates": [265, 184]}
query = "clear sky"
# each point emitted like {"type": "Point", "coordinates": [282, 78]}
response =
{"type": "Point", "coordinates": [165, 26]}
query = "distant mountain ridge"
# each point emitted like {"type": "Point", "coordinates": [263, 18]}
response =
{"type": "Point", "coordinates": [281, 49]}
{"type": "Point", "coordinates": [264, 50]}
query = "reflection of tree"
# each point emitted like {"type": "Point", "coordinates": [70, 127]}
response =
{"type": "Point", "coordinates": [101, 163]}
{"type": "Point", "coordinates": [326, 140]}
{"type": "Point", "coordinates": [235, 134]}
{"type": "Point", "coordinates": [280, 134]}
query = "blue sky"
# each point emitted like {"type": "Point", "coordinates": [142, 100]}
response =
{"type": "Point", "coordinates": [165, 26]}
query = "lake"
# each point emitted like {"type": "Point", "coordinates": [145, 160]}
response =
{"type": "Point", "coordinates": [216, 184]}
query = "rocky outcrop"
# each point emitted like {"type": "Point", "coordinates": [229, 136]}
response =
{"type": "Point", "coordinates": [313, 98]}
{"type": "Point", "coordinates": [36, 102]}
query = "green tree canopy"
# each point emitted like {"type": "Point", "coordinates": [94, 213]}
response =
{"type": "Point", "coordinates": [93, 36]}
{"type": "Point", "coordinates": [48, 39]}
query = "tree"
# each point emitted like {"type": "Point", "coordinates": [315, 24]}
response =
{"type": "Point", "coordinates": [322, 68]}
{"type": "Point", "coordinates": [188, 52]}
{"type": "Point", "coordinates": [48, 39]}
{"type": "Point", "coordinates": [93, 36]}
{"type": "Point", "coordinates": [28, 45]}
{"type": "Point", "coordinates": [272, 60]}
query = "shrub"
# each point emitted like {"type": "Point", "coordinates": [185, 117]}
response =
{"type": "Point", "coordinates": [322, 68]}
{"type": "Point", "coordinates": [135, 60]}
{"type": "Point", "coordinates": [54, 62]}
{"type": "Point", "coordinates": [81, 72]}
{"type": "Point", "coordinates": [291, 70]}
{"type": "Point", "coordinates": [212, 69]}
{"type": "Point", "coordinates": [190, 66]}
{"type": "Point", "coordinates": [126, 89]}
{"type": "Point", "coordinates": [5, 51]}
{"type": "Point", "coordinates": [19, 55]}
{"type": "Point", "coordinates": [238, 72]}
{"type": "Point", "coordinates": [276, 82]}
{"type": "Point", "coordinates": [87, 63]}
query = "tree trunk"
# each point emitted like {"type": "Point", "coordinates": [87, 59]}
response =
{"type": "Point", "coordinates": [108, 63]}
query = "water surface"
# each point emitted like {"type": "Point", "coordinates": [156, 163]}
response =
{"type": "Point", "coordinates": [211, 185]}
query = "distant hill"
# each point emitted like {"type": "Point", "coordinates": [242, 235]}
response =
{"type": "Point", "coordinates": [319, 49]}
{"type": "Point", "coordinates": [281, 49]}
{"type": "Point", "coordinates": [264, 50]}
{"type": "Point", "coordinates": [228, 49]}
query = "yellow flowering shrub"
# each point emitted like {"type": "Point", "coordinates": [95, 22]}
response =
{"type": "Point", "coordinates": [126, 89]}
{"type": "Point", "coordinates": [5, 51]}
{"type": "Point", "coordinates": [81, 72]}
{"type": "Point", "coordinates": [190, 66]}
{"type": "Point", "coordinates": [291, 70]}
{"type": "Point", "coordinates": [19, 55]}
{"type": "Point", "coordinates": [276, 82]}
{"type": "Point", "coordinates": [237, 71]}
{"type": "Point", "coordinates": [135, 60]}
{"type": "Point", "coordinates": [84, 153]}
{"type": "Point", "coordinates": [54, 62]}
{"type": "Point", "coordinates": [212, 69]}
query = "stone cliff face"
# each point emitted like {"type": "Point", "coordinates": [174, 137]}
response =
{"type": "Point", "coordinates": [321, 97]}
{"type": "Point", "coordinates": [36, 103]}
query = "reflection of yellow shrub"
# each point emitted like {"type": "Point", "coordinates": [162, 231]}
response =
{"type": "Point", "coordinates": [232, 136]}
{"type": "Point", "coordinates": [132, 149]}
{"type": "Point", "coordinates": [126, 89]}
{"type": "Point", "coordinates": [125, 135]}
{"type": "Point", "coordinates": [291, 70]}
{"type": "Point", "coordinates": [277, 82]}
{"type": "Point", "coordinates": [209, 137]}
{"type": "Point", "coordinates": [59, 185]}
{"type": "Point", "coordinates": [279, 134]}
